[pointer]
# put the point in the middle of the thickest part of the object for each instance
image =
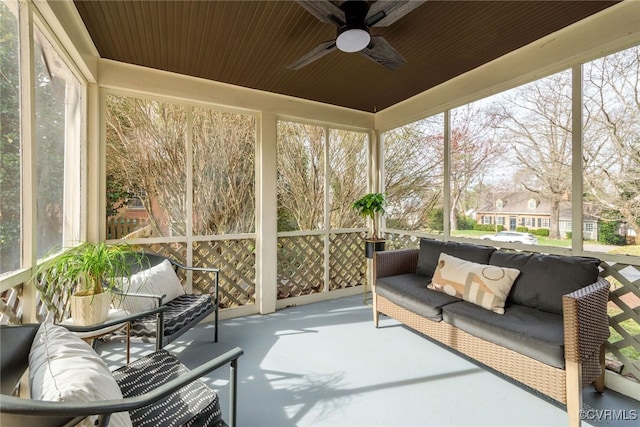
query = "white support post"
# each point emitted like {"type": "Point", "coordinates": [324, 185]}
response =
{"type": "Point", "coordinates": [29, 166]}
{"type": "Point", "coordinates": [576, 161]}
{"type": "Point", "coordinates": [266, 214]}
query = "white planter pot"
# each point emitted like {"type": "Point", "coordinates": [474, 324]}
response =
{"type": "Point", "coordinates": [90, 309]}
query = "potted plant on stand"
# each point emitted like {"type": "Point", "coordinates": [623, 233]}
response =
{"type": "Point", "coordinates": [80, 277]}
{"type": "Point", "coordinates": [370, 206]}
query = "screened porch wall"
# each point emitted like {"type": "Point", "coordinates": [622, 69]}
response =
{"type": "Point", "coordinates": [612, 30]}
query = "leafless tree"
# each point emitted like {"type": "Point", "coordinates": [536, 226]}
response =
{"type": "Point", "coordinates": [413, 173]}
{"type": "Point", "coordinates": [612, 135]}
{"type": "Point", "coordinates": [536, 123]}
{"type": "Point", "coordinates": [301, 175]}
{"type": "Point", "coordinates": [347, 176]}
{"type": "Point", "coordinates": [474, 153]}
{"type": "Point", "coordinates": [146, 150]}
{"type": "Point", "coordinates": [223, 172]}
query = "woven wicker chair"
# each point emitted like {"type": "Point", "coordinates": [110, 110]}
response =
{"type": "Point", "coordinates": [149, 385]}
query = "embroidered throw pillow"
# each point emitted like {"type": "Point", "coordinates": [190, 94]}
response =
{"type": "Point", "coordinates": [485, 285]}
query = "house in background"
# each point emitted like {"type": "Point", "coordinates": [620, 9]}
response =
{"type": "Point", "coordinates": [527, 209]}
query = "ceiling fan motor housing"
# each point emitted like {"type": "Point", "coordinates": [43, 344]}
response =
{"type": "Point", "coordinates": [354, 35]}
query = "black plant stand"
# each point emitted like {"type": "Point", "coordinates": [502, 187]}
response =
{"type": "Point", "coordinates": [370, 247]}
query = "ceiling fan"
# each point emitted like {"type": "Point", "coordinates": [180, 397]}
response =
{"type": "Point", "coordinates": [354, 18]}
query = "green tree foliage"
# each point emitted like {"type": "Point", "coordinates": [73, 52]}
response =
{"type": "Point", "coordinates": [488, 227]}
{"type": "Point", "coordinates": [465, 223]}
{"type": "Point", "coordinates": [435, 219]}
{"type": "Point", "coordinates": [608, 233]}
{"type": "Point", "coordinates": [544, 232]}
{"type": "Point", "coordinates": [117, 195]}
{"type": "Point", "coordinates": [369, 206]}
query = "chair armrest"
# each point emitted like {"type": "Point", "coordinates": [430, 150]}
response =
{"type": "Point", "coordinates": [16, 405]}
{"type": "Point", "coordinates": [159, 297]}
{"type": "Point", "coordinates": [133, 316]}
{"type": "Point", "coordinates": [586, 323]}
{"type": "Point", "coordinates": [392, 263]}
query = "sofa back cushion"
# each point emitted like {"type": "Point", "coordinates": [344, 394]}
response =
{"type": "Point", "coordinates": [431, 249]}
{"type": "Point", "coordinates": [544, 279]}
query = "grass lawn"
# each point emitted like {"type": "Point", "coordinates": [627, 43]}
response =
{"type": "Point", "coordinates": [542, 241]}
{"type": "Point", "coordinates": [626, 250]}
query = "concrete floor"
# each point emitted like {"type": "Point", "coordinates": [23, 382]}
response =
{"type": "Point", "coordinates": [325, 364]}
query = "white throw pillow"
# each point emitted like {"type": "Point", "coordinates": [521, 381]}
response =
{"type": "Point", "coordinates": [485, 285]}
{"type": "Point", "coordinates": [160, 279]}
{"type": "Point", "coordinates": [64, 368]}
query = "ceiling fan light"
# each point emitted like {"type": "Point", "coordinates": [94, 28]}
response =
{"type": "Point", "coordinates": [353, 40]}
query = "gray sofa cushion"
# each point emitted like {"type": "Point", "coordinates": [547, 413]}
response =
{"type": "Point", "coordinates": [410, 291]}
{"type": "Point", "coordinates": [531, 332]}
{"type": "Point", "coordinates": [430, 250]}
{"type": "Point", "coordinates": [544, 279]}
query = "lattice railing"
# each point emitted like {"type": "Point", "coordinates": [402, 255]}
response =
{"type": "Point", "coordinates": [401, 241]}
{"type": "Point", "coordinates": [300, 265]}
{"type": "Point", "coordinates": [174, 250]}
{"type": "Point", "coordinates": [347, 263]}
{"type": "Point", "coordinates": [11, 306]}
{"type": "Point", "coordinates": [236, 260]}
{"type": "Point", "coordinates": [624, 316]}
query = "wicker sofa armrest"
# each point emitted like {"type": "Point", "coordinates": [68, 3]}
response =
{"type": "Point", "coordinates": [392, 263]}
{"type": "Point", "coordinates": [586, 326]}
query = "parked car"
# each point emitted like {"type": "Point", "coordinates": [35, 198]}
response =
{"type": "Point", "coordinates": [512, 237]}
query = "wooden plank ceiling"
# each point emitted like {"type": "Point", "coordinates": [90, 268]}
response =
{"type": "Point", "coordinates": [250, 43]}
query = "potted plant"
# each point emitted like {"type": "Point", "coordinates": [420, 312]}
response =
{"type": "Point", "coordinates": [369, 206]}
{"type": "Point", "coordinates": [80, 278]}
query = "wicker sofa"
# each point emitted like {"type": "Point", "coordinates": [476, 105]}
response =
{"type": "Point", "coordinates": [550, 336]}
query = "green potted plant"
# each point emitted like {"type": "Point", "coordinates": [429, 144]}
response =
{"type": "Point", "coordinates": [81, 276]}
{"type": "Point", "coordinates": [370, 206]}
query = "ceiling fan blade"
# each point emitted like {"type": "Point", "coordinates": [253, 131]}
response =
{"type": "Point", "coordinates": [325, 11]}
{"type": "Point", "coordinates": [380, 51]}
{"type": "Point", "coordinates": [314, 54]}
{"type": "Point", "coordinates": [383, 13]}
